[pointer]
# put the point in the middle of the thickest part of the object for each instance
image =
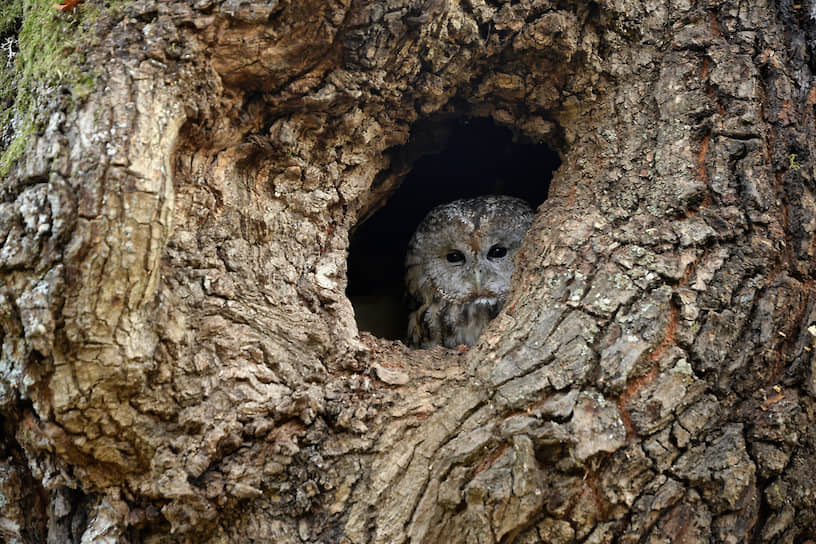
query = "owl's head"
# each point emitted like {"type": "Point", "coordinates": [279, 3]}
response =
{"type": "Point", "coordinates": [462, 251]}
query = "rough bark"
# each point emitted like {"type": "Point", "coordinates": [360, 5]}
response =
{"type": "Point", "coordinates": [180, 363]}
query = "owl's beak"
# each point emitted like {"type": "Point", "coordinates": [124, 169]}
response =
{"type": "Point", "coordinates": [478, 280]}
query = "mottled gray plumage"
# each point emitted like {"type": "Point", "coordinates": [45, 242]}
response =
{"type": "Point", "coordinates": [458, 267]}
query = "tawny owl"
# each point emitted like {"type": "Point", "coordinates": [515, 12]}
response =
{"type": "Point", "coordinates": [458, 268]}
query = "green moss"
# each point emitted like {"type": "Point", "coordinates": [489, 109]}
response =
{"type": "Point", "coordinates": [50, 58]}
{"type": "Point", "coordinates": [10, 12]}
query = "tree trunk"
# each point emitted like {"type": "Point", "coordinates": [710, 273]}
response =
{"type": "Point", "coordinates": [180, 362]}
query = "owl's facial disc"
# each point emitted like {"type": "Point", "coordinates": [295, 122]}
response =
{"type": "Point", "coordinates": [479, 273]}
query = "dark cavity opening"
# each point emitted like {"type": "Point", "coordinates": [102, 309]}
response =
{"type": "Point", "coordinates": [448, 159]}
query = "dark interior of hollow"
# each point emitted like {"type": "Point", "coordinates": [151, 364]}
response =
{"type": "Point", "coordinates": [454, 158]}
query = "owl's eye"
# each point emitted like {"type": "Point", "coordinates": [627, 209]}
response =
{"type": "Point", "coordinates": [497, 252]}
{"type": "Point", "coordinates": [455, 256]}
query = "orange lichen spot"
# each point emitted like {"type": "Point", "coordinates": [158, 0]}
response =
{"type": "Point", "coordinates": [701, 158]}
{"type": "Point", "coordinates": [67, 5]}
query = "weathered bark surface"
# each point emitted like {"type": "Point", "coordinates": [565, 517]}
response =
{"type": "Point", "coordinates": [179, 361]}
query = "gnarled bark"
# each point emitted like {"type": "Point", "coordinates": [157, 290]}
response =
{"type": "Point", "coordinates": [180, 361]}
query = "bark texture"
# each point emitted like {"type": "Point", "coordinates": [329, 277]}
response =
{"type": "Point", "coordinates": [180, 363]}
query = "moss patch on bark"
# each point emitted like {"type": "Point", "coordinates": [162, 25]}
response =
{"type": "Point", "coordinates": [42, 59]}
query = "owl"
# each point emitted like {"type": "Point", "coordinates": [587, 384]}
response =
{"type": "Point", "coordinates": [458, 268]}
